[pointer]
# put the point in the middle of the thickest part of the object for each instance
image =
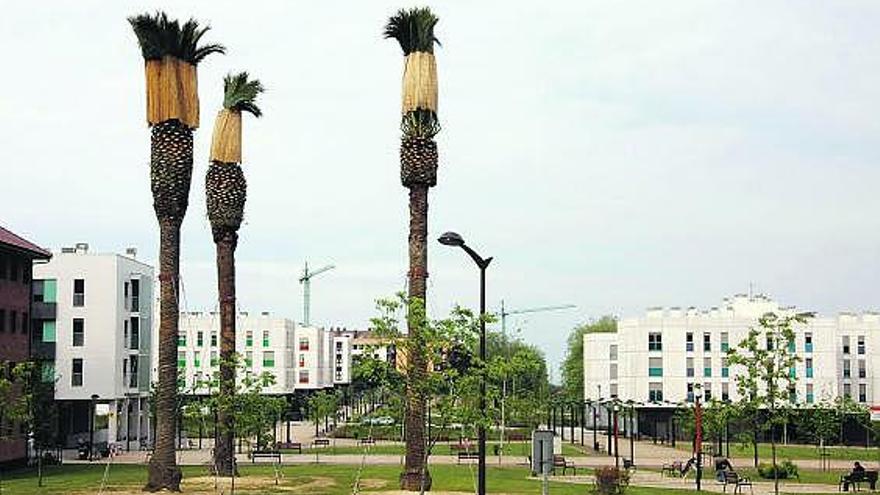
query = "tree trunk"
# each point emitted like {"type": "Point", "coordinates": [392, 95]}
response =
{"type": "Point", "coordinates": [415, 476]}
{"type": "Point", "coordinates": [163, 470]}
{"type": "Point", "coordinates": [224, 451]}
{"type": "Point", "coordinates": [755, 443]}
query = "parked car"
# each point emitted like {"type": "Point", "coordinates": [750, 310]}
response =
{"type": "Point", "coordinates": [379, 421]}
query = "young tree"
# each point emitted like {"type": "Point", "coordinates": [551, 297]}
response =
{"type": "Point", "coordinates": [573, 364]}
{"type": "Point", "coordinates": [768, 359]}
{"type": "Point", "coordinates": [171, 53]}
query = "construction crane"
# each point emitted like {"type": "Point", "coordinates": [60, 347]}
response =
{"type": "Point", "coordinates": [306, 280]}
{"type": "Point", "coordinates": [504, 315]}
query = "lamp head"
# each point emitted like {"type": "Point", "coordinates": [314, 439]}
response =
{"type": "Point", "coordinates": [451, 239]}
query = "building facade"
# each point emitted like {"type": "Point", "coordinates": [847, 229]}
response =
{"type": "Point", "coordinates": [664, 356]}
{"type": "Point", "coordinates": [94, 338]}
{"type": "Point", "coordinates": [17, 256]}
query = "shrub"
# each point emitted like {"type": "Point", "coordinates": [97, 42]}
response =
{"type": "Point", "coordinates": [610, 481]}
{"type": "Point", "coordinates": [784, 470]}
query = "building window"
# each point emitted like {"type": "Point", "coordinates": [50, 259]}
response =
{"type": "Point", "coordinates": [792, 394]}
{"type": "Point", "coordinates": [49, 331]}
{"type": "Point", "coordinates": [304, 344]}
{"type": "Point", "coordinates": [689, 342]}
{"type": "Point", "coordinates": [791, 346]}
{"type": "Point", "coordinates": [79, 332]}
{"type": "Point", "coordinates": [810, 397]}
{"type": "Point", "coordinates": [181, 340]}
{"type": "Point", "coordinates": [655, 366]}
{"type": "Point", "coordinates": [846, 344]}
{"type": "Point", "coordinates": [249, 338]}
{"type": "Point", "coordinates": [808, 342]}
{"type": "Point", "coordinates": [690, 367]}
{"type": "Point", "coordinates": [181, 359]}
{"type": "Point", "coordinates": [862, 372]}
{"type": "Point", "coordinates": [725, 371]}
{"type": "Point", "coordinates": [725, 392]}
{"type": "Point", "coordinates": [135, 295]}
{"type": "Point", "coordinates": [847, 369]}
{"type": "Point", "coordinates": [725, 343]}
{"type": "Point", "coordinates": [213, 358]}
{"type": "Point", "coordinates": [612, 352]}
{"type": "Point", "coordinates": [655, 392]}
{"type": "Point", "coordinates": [265, 338]}
{"type": "Point", "coordinates": [249, 358]}
{"type": "Point", "coordinates": [268, 359]}
{"type": "Point", "coordinates": [808, 366]}
{"type": "Point", "coordinates": [213, 339]}
{"type": "Point", "coordinates": [302, 360]}
{"type": "Point", "coordinates": [847, 390]}
{"type": "Point", "coordinates": [707, 342]}
{"type": "Point", "coordinates": [655, 341]}
{"type": "Point", "coordinates": [304, 376]}
{"type": "Point", "coordinates": [690, 392]}
{"type": "Point", "coordinates": [200, 338]}
{"type": "Point", "coordinates": [792, 372]}
{"type": "Point", "coordinates": [707, 367]}
{"type": "Point", "coordinates": [76, 375]}
{"type": "Point", "coordinates": [135, 334]}
{"type": "Point", "coordinates": [612, 371]}
{"type": "Point", "coordinates": [197, 359]}
{"type": "Point", "coordinates": [338, 346]}
{"type": "Point", "coordinates": [613, 390]}
{"type": "Point", "coordinates": [769, 343]}
{"type": "Point", "coordinates": [861, 344]}
{"type": "Point", "coordinates": [863, 393]}
{"type": "Point", "coordinates": [13, 321]}
{"type": "Point", "coordinates": [707, 391]}
{"type": "Point", "coordinates": [79, 292]}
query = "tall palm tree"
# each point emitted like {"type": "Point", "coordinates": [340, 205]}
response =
{"type": "Point", "coordinates": [414, 30]}
{"type": "Point", "coordinates": [226, 191]}
{"type": "Point", "coordinates": [171, 53]}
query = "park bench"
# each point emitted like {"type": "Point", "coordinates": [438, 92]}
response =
{"type": "Point", "coordinates": [265, 454]}
{"type": "Point", "coordinates": [561, 462]}
{"type": "Point", "coordinates": [628, 464]}
{"type": "Point", "coordinates": [673, 469]}
{"type": "Point", "coordinates": [857, 479]}
{"type": "Point", "coordinates": [323, 442]}
{"type": "Point", "coordinates": [459, 447]}
{"type": "Point", "coordinates": [737, 481]}
{"type": "Point", "coordinates": [467, 456]}
{"type": "Point", "coordinates": [367, 441]}
{"type": "Point", "coordinates": [297, 446]}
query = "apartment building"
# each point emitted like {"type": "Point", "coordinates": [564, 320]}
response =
{"type": "Point", "coordinates": [17, 256]}
{"type": "Point", "coordinates": [92, 332]}
{"type": "Point", "coordinates": [661, 359]}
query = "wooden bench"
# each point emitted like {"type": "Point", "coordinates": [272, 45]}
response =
{"type": "Point", "coordinates": [297, 446]}
{"type": "Point", "coordinates": [856, 480]}
{"type": "Point", "coordinates": [731, 478]}
{"type": "Point", "coordinates": [367, 441]}
{"type": "Point", "coordinates": [561, 462]}
{"type": "Point", "coordinates": [673, 469]}
{"type": "Point", "coordinates": [266, 454]}
{"type": "Point", "coordinates": [459, 447]}
{"type": "Point", "coordinates": [322, 442]}
{"type": "Point", "coordinates": [468, 456]}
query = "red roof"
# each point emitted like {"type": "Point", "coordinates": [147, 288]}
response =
{"type": "Point", "coordinates": [17, 243]}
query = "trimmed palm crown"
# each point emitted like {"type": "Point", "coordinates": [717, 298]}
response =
{"type": "Point", "coordinates": [240, 94]}
{"type": "Point", "coordinates": [160, 36]}
{"type": "Point", "coordinates": [413, 29]}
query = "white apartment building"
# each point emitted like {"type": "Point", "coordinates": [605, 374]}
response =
{"type": "Point", "coordinates": [662, 356]}
{"type": "Point", "coordinates": [264, 342]}
{"type": "Point", "coordinates": [314, 365]}
{"type": "Point", "coordinates": [92, 332]}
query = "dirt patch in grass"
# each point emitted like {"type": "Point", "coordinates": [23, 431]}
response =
{"type": "Point", "coordinates": [204, 485]}
{"type": "Point", "coordinates": [372, 483]}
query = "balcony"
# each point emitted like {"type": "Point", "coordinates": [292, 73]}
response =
{"type": "Point", "coordinates": [43, 310]}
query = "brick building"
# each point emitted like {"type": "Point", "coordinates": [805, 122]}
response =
{"type": "Point", "coordinates": [16, 259]}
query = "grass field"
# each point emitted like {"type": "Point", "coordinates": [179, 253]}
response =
{"type": "Point", "coordinates": [511, 449]}
{"type": "Point", "coordinates": [800, 452]}
{"type": "Point", "coordinates": [305, 479]}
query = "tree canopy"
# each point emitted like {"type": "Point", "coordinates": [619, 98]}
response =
{"type": "Point", "coordinates": [160, 36]}
{"type": "Point", "coordinates": [573, 364]}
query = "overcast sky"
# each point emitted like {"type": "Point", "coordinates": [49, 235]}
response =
{"type": "Point", "coordinates": [612, 155]}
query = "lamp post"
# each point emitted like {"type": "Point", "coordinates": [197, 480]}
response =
{"type": "Point", "coordinates": [92, 428]}
{"type": "Point", "coordinates": [632, 431]}
{"type": "Point", "coordinates": [698, 440]}
{"type": "Point", "coordinates": [595, 432]}
{"type": "Point", "coordinates": [453, 239]}
{"type": "Point", "coordinates": [616, 408]}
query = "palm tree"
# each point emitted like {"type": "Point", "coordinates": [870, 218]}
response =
{"type": "Point", "coordinates": [226, 191]}
{"type": "Point", "coordinates": [171, 53]}
{"type": "Point", "coordinates": [414, 30]}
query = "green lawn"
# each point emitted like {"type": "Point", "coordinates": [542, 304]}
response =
{"type": "Point", "coordinates": [799, 452]}
{"type": "Point", "coordinates": [511, 449]}
{"type": "Point", "coordinates": [305, 479]}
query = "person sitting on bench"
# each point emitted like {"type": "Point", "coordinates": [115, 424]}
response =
{"type": "Point", "coordinates": [722, 465]}
{"type": "Point", "coordinates": [857, 474]}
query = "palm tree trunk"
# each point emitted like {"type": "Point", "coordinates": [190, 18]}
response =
{"type": "Point", "coordinates": [163, 470]}
{"type": "Point", "coordinates": [415, 476]}
{"type": "Point", "coordinates": [224, 450]}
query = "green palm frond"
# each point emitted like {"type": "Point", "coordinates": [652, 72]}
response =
{"type": "Point", "coordinates": [240, 95]}
{"type": "Point", "coordinates": [160, 36]}
{"type": "Point", "coordinates": [413, 29]}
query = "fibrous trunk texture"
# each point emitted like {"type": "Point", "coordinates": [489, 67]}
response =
{"type": "Point", "coordinates": [226, 140]}
{"type": "Point", "coordinates": [226, 192]}
{"type": "Point", "coordinates": [418, 162]}
{"type": "Point", "coordinates": [163, 470]}
{"type": "Point", "coordinates": [224, 451]}
{"type": "Point", "coordinates": [419, 83]}
{"type": "Point", "coordinates": [171, 164]}
{"type": "Point", "coordinates": [172, 92]}
{"type": "Point", "coordinates": [415, 476]}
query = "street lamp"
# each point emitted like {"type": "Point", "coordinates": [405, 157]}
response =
{"type": "Point", "coordinates": [593, 405]}
{"type": "Point", "coordinates": [632, 431]}
{"type": "Point", "coordinates": [92, 428]}
{"type": "Point", "coordinates": [453, 239]}
{"type": "Point", "coordinates": [616, 408]}
{"type": "Point", "coordinates": [698, 441]}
